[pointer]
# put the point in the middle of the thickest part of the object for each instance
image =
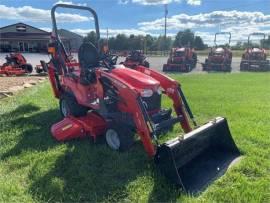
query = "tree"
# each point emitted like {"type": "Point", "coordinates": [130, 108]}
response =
{"type": "Point", "coordinates": [91, 37]}
{"type": "Point", "coordinates": [184, 38]}
{"type": "Point", "coordinates": [149, 42]}
{"type": "Point", "coordinates": [121, 42]}
{"type": "Point", "coordinates": [162, 43]}
{"type": "Point", "coordinates": [198, 43]}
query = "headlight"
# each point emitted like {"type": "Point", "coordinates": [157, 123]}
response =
{"type": "Point", "coordinates": [146, 93]}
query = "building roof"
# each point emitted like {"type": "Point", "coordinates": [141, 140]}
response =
{"type": "Point", "coordinates": [22, 28]}
{"type": "Point", "coordinates": [68, 34]}
{"type": "Point", "coordinates": [22, 31]}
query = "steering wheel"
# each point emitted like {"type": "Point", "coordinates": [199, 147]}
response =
{"type": "Point", "coordinates": [110, 60]}
{"type": "Point", "coordinates": [114, 59]}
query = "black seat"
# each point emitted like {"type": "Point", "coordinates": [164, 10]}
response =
{"type": "Point", "coordinates": [88, 56]}
{"type": "Point", "coordinates": [89, 59]}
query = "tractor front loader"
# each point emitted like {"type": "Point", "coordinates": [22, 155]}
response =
{"type": "Point", "coordinates": [99, 98]}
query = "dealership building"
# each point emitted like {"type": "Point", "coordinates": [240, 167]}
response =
{"type": "Point", "coordinates": [26, 38]}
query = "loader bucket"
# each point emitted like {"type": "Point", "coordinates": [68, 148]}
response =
{"type": "Point", "coordinates": [201, 156]}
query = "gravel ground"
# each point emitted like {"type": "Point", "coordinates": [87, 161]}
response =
{"type": "Point", "coordinates": [7, 82]}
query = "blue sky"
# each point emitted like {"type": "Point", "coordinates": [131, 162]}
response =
{"type": "Point", "coordinates": [205, 17]}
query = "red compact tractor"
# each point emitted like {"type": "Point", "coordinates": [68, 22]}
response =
{"type": "Point", "coordinates": [15, 64]}
{"type": "Point", "coordinates": [99, 98]}
{"type": "Point", "coordinates": [136, 58]}
{"type": "Point", "coordinates": [255, 57]}
{"type": "Point", "coordinates": [182, 59]}
{"type": "Point", "coordinates": [220, 57]}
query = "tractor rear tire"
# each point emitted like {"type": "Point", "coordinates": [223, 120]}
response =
{"type": "Point", "coordinates": [119, 137]}
{"type": "Point", "coordinates": [69, 106]}
{"type": "Point", "coordinates": [27, 67]}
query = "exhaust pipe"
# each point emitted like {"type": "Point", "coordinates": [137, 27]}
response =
{"type": "Point", "coordinates": [201, 156]}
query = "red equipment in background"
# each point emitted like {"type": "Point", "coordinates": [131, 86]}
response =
{"type": "Point", "coordinates": [136, 58]}
{"type": "Point", "coordinates": [219, 57]}
{"type": "Point", "coordinates": [97, 97]}
{"type": "Point", "coordinates": [255, 57]}
{"type": "Point", "coordinates": [183, 59]}
{"type": "Point", "coordinates": [15, 64]}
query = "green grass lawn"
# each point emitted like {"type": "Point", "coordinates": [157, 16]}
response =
{"type": "Point", "coordinates": [36, 168]}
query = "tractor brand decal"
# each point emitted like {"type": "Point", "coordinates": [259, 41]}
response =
{"type": "Point", "coordinates": [67, 127]}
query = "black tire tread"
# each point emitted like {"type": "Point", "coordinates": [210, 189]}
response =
{"type": "Point", "coordinates": [76, 109]}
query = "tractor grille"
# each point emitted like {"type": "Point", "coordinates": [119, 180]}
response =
{"type": "Point", "coordinates": [152, 103]}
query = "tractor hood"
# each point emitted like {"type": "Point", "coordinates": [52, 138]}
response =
{"type": "Point", "coordinates": [256, 50]}
{"type": "Point", "coordinates": [219, 50]}
{"type": "Point", "coordinates": [135, 78]}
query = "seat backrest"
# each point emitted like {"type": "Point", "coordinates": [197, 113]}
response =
{"type": "Point", "coordinates": [88, 56]}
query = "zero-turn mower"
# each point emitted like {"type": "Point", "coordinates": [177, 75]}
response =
{"type": "Point", "coordinates": [15, 64]}
{"type": "Point", "coordinates": [182, 59]}
{"type": "Point", "coordinates": [136, 58]}
{"type": "Point", "coordinates": [219, 57]}
{"type": "Point", "coordinates": [255, 57]}
{"type": "Point", "coordinates": [98, 97]}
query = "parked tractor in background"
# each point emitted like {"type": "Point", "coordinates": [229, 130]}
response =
{"type": "Point", "coordinates": [220, 56]}
{"type": "Point", "coordinates": [16, 65]}
{"type": "Point", "coordinates": [136, 58]}
{"type": "Point", "coordinates": [255, 57]}
{"type": "Point", "coordinates": [181, 59]}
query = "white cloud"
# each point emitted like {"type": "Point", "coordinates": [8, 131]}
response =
{"type": "Point", "coordinates": [239, 23]}
{"type": "Point", "coordinates": [123, 2]}
{"type": "Point", "coordinates": [212, 19]}
{"type": "Point", "coordinates": [28, 13]}
{"type": "Point", "coordinates": [159, 2]}
{"type": "Point", "coordinates": [47, 29]}
{"type": "Point", "coordinates": [71, 3]}
{"type": "Point", "coordinates": [194, 2]}
{"type": "Point", "coordinates": [148, 2]}
{"type": "Point", "coordinates": [112, 32]}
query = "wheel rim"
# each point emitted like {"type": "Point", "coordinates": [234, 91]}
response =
{"type": "Point", "coordinates": [64, 108]}
{"type": "Point", "coordinates": [112, 139]}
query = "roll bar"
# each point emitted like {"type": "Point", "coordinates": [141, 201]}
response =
{"type": "Point", "coordinates": [256, 34]}
{"type": "Point", "coordinates": [93, 12]}
{"type": "Point", "coordinates": [223, 33]}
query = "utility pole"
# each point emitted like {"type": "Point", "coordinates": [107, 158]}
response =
{"type": "Point", "coordinates": [107, 37]}
{"type": "Point", "coordinates": [165, 23]}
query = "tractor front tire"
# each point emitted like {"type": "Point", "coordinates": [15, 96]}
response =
{"type": "Point", "coordinates": [69, 106]}
{"type": "Point", "coordinates": [119, 138]}
{"type": "Point", "coordinates": [27, 67]}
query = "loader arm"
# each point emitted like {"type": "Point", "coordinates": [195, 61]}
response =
{"type": "Point", "coordinates": [132, 103]}
{"type": "Point", "coordinates": [171, 88]}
